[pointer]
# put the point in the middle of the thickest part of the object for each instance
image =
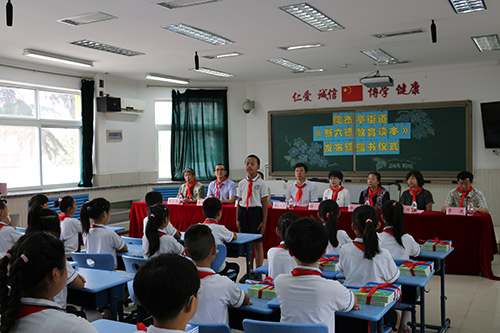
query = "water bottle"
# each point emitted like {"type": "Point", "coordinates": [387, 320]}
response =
{"type": "Point", "coordinates": [181, 198]}
{"type": "Point", "coordinates": [470, 208]}
{"type": "Point", "coordinates": [367, 202]}
{"type": "Point", "coordinates": [413, 208]}
{"type": "Point", "coordinates": [290, 203]}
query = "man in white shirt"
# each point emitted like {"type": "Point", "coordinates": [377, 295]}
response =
{"type": "Point", "coordinates": [302, 191]}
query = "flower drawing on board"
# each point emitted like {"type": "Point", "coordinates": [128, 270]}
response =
{"type": "Point", "coordinates": [421, 123]}
{"type": "Point", "coordinates": [301, 151]}
{"type": "Point", "coordinates": [395, 163]}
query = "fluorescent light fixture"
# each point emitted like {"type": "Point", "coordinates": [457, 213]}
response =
{"type": "Point", "coordinates": [399, 33]}
{"type": "Point", "coordinates": [213, 72]}
{"type": "Point", "coordinates": [106, 47]}
{"type": "Point", "coordinates": [164, 78]}
{"type": "Point", "coordinates": [87, 18]}
{"type": "Point", "coordinates": [288, 64]}
{"type": "Point", "coordinates": [487, 42]}
{"type": "Point", "coordinates": [57, 58]}
{"type": "Point", "coordinates": [310, 15]}
{"type": "Point", "coordinates": [380, 55]}
{"type": "Point", "coordinates": [199, 34]}
{"type": "Point", "coordinates": [223, 55]}
{"type": "Point", "coordinates": [173, 4]}
{"type": "Point", "coordinates": [300, 47]}
{"type": "Point", "coordinates": [318, 70]}
{"type": "Point", "coordinates": [467, 6]}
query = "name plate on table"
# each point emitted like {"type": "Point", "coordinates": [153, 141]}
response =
{"type": "Point", "coordinates": [173, 201]}
{"type": "Point", "coordinates": [313, 206]}
{"type": "Point", "coordinates": [279, 205]}
{"type": "Point", "coordinates": [407, 210]}
{"type": "Point", "coordinates": [352, 207]}
{"type": "Point", "coordinates": [199, 202]}
{"type": "Point", "coordinates": [455, 211]}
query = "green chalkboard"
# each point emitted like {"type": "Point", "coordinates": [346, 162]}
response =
{"type": "Point", "coordinates": [434, 138]}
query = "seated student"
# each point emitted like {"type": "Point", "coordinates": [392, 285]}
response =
{"type": "Point", "coordinates": [212, 209]}
{"type": "Point", "coordinates": [70, 227]}
{"type": "Point", "coordinates": [375, 195]}
{"type": "Point", "coordinates": [40, 200]}
{"type": "Point", "coordinates": [278, 258]}
{"type": "Point", "coordinates": [35, 270]}
{"type": "Point", "coordinates": [47, 220]}
{"type": "Point", "coordinates": [222, 188]}
{"type": "Point", "coordinates": [218, 291]}
{"type": "Point", "coordinates": [304, 295]}
{"type": "Point", "coordinates": [302, 191]}
{"type": "Point", "coordinates": [155, 241]}
{"type": "Point", "coordinates": [328, 213]}
{"type": "Point", "coordinates": [8, 235]}
{"type": "Point", "coordinates": [416, 193]}
{"type": "Point", "coordinates": [464, 193]}
{"type": "Point", "coordinates": [168, 287]}
{"type": "Point", "coordinates": [96, 237]}
{"type": "Point", "coordinates": [192, 190]}
{"type": "Point", "coordinates": [337, 192]}
{"type": "Point", "coordinates": [155, 198]}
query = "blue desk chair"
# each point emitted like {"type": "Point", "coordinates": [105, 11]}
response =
{"type": "Point", "coordinates": [220, 257]}
{"type": "Point", "coordinates": [104, 261]}
{"type": "Point", "coordinates": [132, 264]}
{"type": "Point", "coordinates": [132, 240]}
{"type": "Point", "coordinates": [212, 328]}
{"type": "Point", "coordinates": [256, 326]}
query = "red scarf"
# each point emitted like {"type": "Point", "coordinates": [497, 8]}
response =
{"type": "Point", "coordinates": [26, 310]}
{"type": "Point", "coordinates": [249, 193]}
{"type": "Point", "coordinates": [218, 185]}
{"type": "Point", "coordinates": [360, 246]}
{"type": "Point", "coordinates": [62, 216]}
{"type": "Point", "coordinates": [210, 221]}
{"type": "Point", "coordinates": [389, 231]}
{"type": "Point", "coordinates": [2, 225]}
{"type": "Point", "coordinates": [161, 233]}
{"type": "Point", "coordinates": [301, 271]}
{"type": "Point", "coordinates": [203, 274]}
{"type": "Point", "coordinates": [372, 195]}
{"type": "Point", "coordinates": [464, 194]}
{"type": "Point", "coordinates": [299, 192]}
{"type": "Point", "coordinates": [96, 226]}
{"type": "Point", "coordinates": [189, 187]}
{"type": "Point", "coordinates": [281, 246]}
{"type": "Point", "coordinates": [335, 193]}
{"type": "Point", "coordinates": [415, 193]}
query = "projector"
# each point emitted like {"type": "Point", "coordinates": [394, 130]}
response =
{"type": "Point", "coordinates": [377, 81]}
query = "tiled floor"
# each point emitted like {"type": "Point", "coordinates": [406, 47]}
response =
{"type": "Point", "coordinates": [473, 303]}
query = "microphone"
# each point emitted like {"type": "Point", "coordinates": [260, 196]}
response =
{"type": "Point", "coordinates": [9, 9]}
{"type": "Point", "coordinates": [196, 61]}
{"type": "Point", "coordinates": [434, 32]}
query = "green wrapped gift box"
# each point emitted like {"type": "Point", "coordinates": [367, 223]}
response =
{"type": "Point", "coordinates": [328, 263]}
{"type": "Point", "coordinates": [437, 245]}
{"type": "Point", "coordinates": [262, 291]}
{"type": "Point", "coordinates": [416, 268]}
{"type": "Point", "coordinates": [381, 297]}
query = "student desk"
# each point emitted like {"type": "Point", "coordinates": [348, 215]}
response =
{"type": "Point", "coordinates": [101, 288]}
{"type": "Point", "coordinates": [111, 326]}
{"type": "Point", "coordinates": [181, 217]}
{"type": "Point", "coordinates": [264, 269]}
{"type": "Point", "coordinates": [134, 250]}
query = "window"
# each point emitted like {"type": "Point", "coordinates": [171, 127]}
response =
{"type": "Point", "coordinates": [40, 135]}
{"type": "Point", "coordinates": [163, 121]}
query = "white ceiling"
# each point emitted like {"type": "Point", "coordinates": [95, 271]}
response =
{"type": "Point", "coordinates": [257, 27]}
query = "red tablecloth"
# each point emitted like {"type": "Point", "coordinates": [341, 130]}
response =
{"type": "Point", "coordinates": [473, 237]}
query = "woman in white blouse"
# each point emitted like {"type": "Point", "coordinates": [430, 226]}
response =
{"type": "Point", "coordinates": [336, 191]}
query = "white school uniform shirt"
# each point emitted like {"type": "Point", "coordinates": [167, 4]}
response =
{"type": "Point", "coordinates": [102, 240]}
{"type": "Point", "coordinates": [359, 270]}
{"type": "Point", "coordinates": [70, 227]}
{"type": "Point", "coordinates": [343, 239]}
{"type": "Point", "coordinates": [343, 197]}
{"type": "Point", "coordinates": [63, 294]}
{"type": "Point", "coordinates": [259, 191]}
{"type": "Point", "coordinates": [169, 230]}
{"type": "Point", "coordinates": [8, 236]}
{"type": "Point", "coordinates": [311, 298]}
{"type": "Point", "coordinates": [168, 244]}
{"type": "Point", "coordinates": [309, 193]}
{"type": "Point", "coordinates": [221, 235]}
{"type": "Point", "coordinates": [280, 261]}
{"type": "Point", "coordinates": [388, 242]}
{"type": "Point", "coordinates": [217, 293]}
{"type": "Point", "coordinates": [50, 320]}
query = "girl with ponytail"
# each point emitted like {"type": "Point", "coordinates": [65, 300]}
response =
{"type": "Point", "coordinates": [70, 227]}
{"type": "Point", "coordinates": [155, 241]}
{"type": "Point", "coordinates": [328, 213]}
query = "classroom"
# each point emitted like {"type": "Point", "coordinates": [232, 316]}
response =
{"type": "Point", "coordinates": [131, 149]}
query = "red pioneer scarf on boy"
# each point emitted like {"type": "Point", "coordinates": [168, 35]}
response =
{"type": "Point", "coordinates": [249, 192]}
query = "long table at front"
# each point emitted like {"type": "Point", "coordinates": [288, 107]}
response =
{"type": "Point", "coordinates": [473, 237]}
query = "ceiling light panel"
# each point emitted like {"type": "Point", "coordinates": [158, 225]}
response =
{"type": "Point", "coordinates": [213, 72]}
{"type": "Point", "coordinates": [380, 55]}
{"type": "Point", "coordinates": [173, 4]}
{"type": "Point", "coordinates": [57, 58]}
{"type": "Point", "coordinates": [87, 18]}
{"type": "Point", "coordinates": [223, 55]}
{"type": "Point", "coordinates": [106, 48]}
{"type": "Point", "coordinates": [467, 6]}
{"type": "Point", "coordinates": [398, 33]}
{"type": "Point", "coordinates": [319, 70]}
{"type": "Point", "coordinates": [289, 64]}
{"type": "Point", "coordinates": [310, 15]}
{"type": "Point", "coordinates": [487, 42]}
{"type": "Point", "coordinates": [199, 34]}
{"type": "Point", "coordinates": [165, 78]}
{"type": "Point", "coordinates": [301, 47]}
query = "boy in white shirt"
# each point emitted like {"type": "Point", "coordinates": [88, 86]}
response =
{"type": "Point", "coordinates": [302, 191]}
{"type": "Point", "coordinates": [212, 209]}
{"type": "Point", "coordinates": [279, 259]}
{"type": "Point", "coordinates": [304, 295]}
{"type": "Point", "coordinates": [218, 291]}
{"type": "Point", "coordinates": [156, 198]}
